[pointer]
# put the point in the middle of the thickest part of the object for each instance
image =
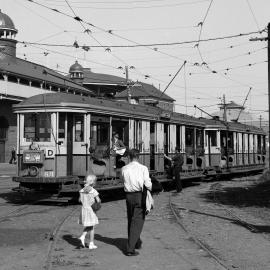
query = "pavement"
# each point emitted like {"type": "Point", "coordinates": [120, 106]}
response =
{"type": "Point", "coordinates": [7, 169]}
{"type": "Point", "coordinates": [165, 244]}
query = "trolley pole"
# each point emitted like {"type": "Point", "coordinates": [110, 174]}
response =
{"type": "Point", "coordinates": [268, 58]}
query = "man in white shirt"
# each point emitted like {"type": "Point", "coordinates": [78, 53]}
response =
{"type": "Point", "coordinates": [135, 176]}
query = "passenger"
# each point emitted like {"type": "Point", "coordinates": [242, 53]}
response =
{"type": "Point", "coordinates": [178, 162]}
{"type": "Point", "coordinates": [34, 145]}
{"type": "Point", "coordinates": [136, 177]}
{"type": "Point", "coordinates": [88, 218]}
{"type": "Point", "coordinates": [118, 149]}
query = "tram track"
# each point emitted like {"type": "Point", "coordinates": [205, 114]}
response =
{"type": "Point", "coordinates": [53, 237]}
{"type": "Point", "coordinates": [195, 239]}
{"type": "Point", "coordinates": [18, 210]}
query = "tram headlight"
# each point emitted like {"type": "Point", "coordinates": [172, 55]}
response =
{"type": "Point", "coordinates": [33, 171]}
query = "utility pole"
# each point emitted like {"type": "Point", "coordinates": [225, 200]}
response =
{"type": "Point", "coordinates": [268, 58]}
{"type": "Point", "coordinates": [128, 88]}
{"type": "Point", "coordinates": [260, 121]}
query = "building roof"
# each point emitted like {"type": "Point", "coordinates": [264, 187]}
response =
{"type": "Point", "coordinates": [6, 22]}
{"type": "Point", "coordinates": [144, 90]}
{"type": "Point", "coordinates": [30, 70]}
{"type": "Point", "coordinates": [232, 105]}
{"type": "Point", "coordinates": [102, 79]}
{"type": "Point", "coordinates": [76, 67]}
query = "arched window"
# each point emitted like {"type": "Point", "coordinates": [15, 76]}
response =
{"type": "Point", "coordinates": [3, 127]}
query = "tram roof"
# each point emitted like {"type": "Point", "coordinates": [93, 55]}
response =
{"type": "Point", "coordinates": [71, 102]}
{"type": "Point", "coordinates": [232, 126]}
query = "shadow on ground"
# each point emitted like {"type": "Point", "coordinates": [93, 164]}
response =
{"type": "Point", "coordinates": [257, 194]}
{"type": "Point", "coordinates": [119, 243]}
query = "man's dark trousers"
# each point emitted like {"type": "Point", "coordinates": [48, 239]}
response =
{"type": "Point", "coordinates": [178, 183]}
{"type": "Point", "coordinates": [136, 216]}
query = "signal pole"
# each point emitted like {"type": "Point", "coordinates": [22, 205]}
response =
{"type": "Point", "coordinates": [268, 58]}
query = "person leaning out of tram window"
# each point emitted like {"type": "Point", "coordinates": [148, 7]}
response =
{"type": "Point", "coordinates": [178, 162]}
{"type": "Point", "coordinates": [118, 148]}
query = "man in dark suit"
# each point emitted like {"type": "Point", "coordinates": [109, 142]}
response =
{"type": "Point", "coordinates": [178, 162]}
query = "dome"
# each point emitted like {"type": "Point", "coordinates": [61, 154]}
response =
{"type": "Point", "coordinates": [76, 67]}
{"type": "Point", "coordinates": [6, 22]}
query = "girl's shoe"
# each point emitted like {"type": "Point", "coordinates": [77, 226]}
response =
{"type": "Point", "coordinates": [92, 246]}
{"type": "Point", "coordinates": [82, 240]}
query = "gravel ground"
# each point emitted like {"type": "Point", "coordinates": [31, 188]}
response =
{"type": "Point", "coordinates": [211, 211]}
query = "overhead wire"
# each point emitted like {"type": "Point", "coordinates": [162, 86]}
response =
{"type": "Point", "coordinates": [78, 19]}
{"type": "Point", "coordinates": [138, 7]}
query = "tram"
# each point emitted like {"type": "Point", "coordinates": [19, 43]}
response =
{"type": "Point", "coordinates": [62, 137]}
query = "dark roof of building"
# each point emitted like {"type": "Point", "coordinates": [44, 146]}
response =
{"type": "Point", "coordinates": [103, 79]}
{"type": "Point", "coordinates": [6, 22]}
{"type": "Point", "coordinates": [144, 90]}
{"type": "Point", "coordinates": [34, 71]}
{"type": "Point", "coordinates": [232, 105]}
{"type": "Point", "coordinates": [76, 67]}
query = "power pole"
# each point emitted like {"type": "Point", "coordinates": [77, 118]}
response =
{"type": "Point", "coordinates": [260, 121]}
{"type": "Point", "coordinates": [268, 57]}
{"type": "Point", "coordinates": [128, 88]}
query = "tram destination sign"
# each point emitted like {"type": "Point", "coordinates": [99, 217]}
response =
{"type": "Point", "coordinates": [33, 157]}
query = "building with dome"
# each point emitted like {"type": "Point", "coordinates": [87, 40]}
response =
{"type": "Point", "coordinates": [109, 86]}
{"type": "Point", "coordinates": [20, 79]}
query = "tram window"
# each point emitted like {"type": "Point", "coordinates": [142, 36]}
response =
{"type": "Point", "coordinates": [199, 138]}
{"type": "Point", "coordinates": [99, 134]}
{"type": "Point", "coordinates": [79, 128]}
{"type": "Point", "coordinates": [37, 126]}
{"type": "Point", "coordinates": [230, 140]}
{"type": "Point", "coordinates": [212, 134]}
{"type": "Point", "coordinates": [189, 136]}
{"type": "Point", "coordinates": [138, 135]}
{"type": "Point", "coordinates": [61, 125]}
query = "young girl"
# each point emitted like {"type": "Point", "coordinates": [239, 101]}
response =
{"type": "Point", "coordinates": [88, 218]}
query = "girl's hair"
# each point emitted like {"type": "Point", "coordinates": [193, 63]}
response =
{"type": "Point", "coordinates": [91, 179]}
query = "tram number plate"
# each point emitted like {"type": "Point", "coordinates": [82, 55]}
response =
{"type": "Point", "coordinates": [49, 174]}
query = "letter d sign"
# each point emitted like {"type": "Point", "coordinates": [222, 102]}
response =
{"type": "Point", "coordinates": [50, 153]}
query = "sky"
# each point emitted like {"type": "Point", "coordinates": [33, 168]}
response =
{"type": "Point", "coordinates": [173, 32]}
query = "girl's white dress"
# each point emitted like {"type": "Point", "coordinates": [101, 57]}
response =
{"type": "Point", "coordinates": [87, 215]}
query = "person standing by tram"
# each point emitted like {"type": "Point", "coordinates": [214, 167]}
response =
{"type": "Point", "coordinates": [178, 162]}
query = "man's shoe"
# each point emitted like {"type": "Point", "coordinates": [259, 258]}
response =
{"type": "Point", "coordinates": [133, 253]}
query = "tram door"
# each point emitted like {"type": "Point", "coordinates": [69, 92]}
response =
{"type": "Point", "coordinates": [152, 145]}
{"type": "Point", "coordinates": [212, 147]}
{"type": "Point", "coordinates": [69, 143]}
